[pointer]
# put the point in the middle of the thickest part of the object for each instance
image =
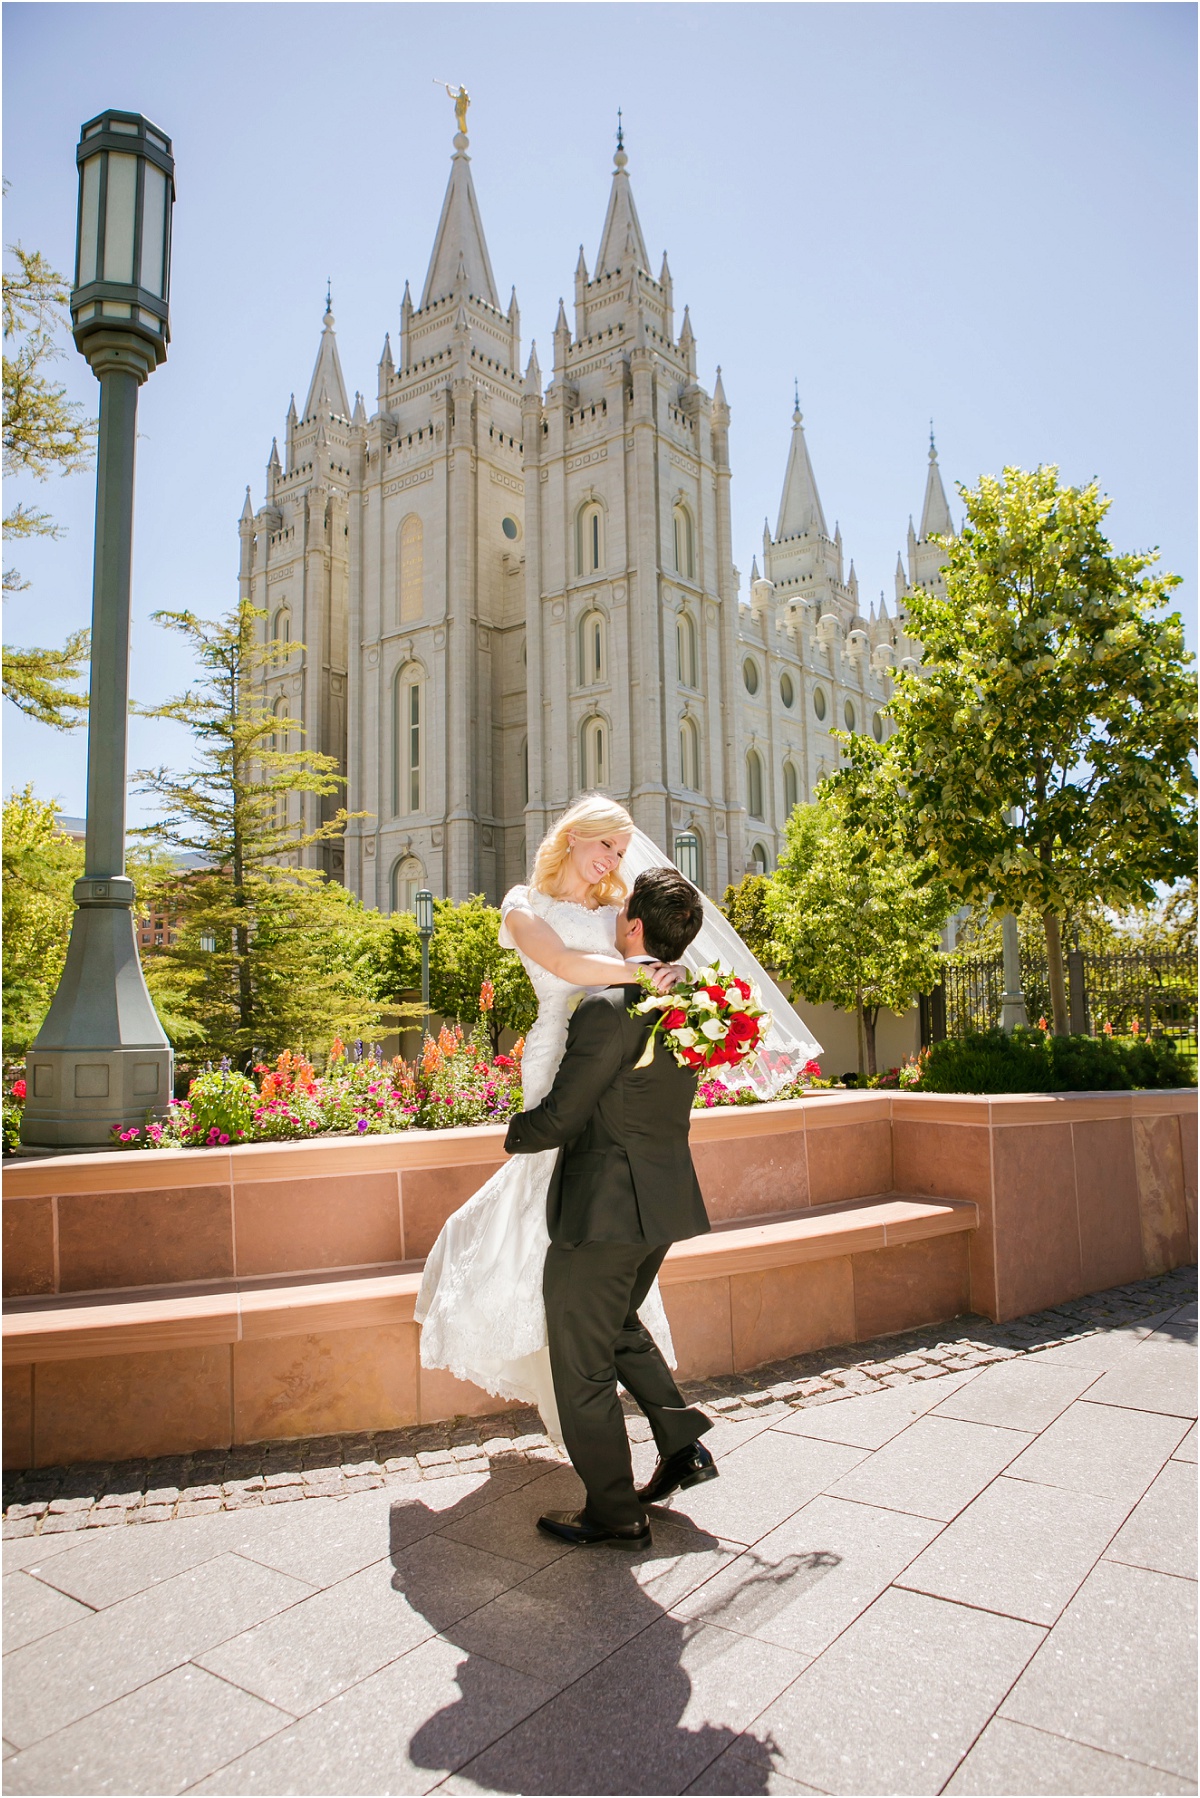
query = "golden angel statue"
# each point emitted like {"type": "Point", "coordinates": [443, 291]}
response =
{"type": "Point", "coordinates": [461, 99]}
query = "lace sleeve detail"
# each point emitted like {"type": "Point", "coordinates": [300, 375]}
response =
{"type": "Point", "coordinates": [516, 899]}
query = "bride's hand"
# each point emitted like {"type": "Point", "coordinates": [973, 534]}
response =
{"type": "Point", "coordinates": [663, 974]}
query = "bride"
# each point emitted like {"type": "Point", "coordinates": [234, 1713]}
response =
{"type": "Point", "coordinates": [480, 1303]}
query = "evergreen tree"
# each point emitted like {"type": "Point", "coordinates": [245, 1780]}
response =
{"type": "Point", "coordinates": [269, 955]}
{"type": "Point", "coordinates": [43, 433]}
{"type": "Point", "coordinates": [1044, 748]}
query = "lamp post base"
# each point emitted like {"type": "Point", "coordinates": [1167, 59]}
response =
{"type": "Point", "coordinates": [101, 1059]}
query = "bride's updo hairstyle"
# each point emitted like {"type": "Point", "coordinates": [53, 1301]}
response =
{"type": "Point", "coordinates": [592, 816]}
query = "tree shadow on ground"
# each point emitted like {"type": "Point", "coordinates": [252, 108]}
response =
{"type": "Point", "coordinates": [577, 1678]}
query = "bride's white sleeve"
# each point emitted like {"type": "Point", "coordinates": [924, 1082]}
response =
{"type": "Point", "coordinates": [516, 899]}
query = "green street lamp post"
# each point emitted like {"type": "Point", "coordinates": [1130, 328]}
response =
{"type": "Point", "coordinates": [423, 905]}
{"type": "Point", "coordinates": [102, 1058]}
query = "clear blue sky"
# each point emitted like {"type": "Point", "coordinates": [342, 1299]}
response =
{"type": "Point", "coordinates": [980, 213]}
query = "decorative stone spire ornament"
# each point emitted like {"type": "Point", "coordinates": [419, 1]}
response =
{"type": "Point", "coordinates": [935, 515]}
{"type": "Point", "coordinates": [800, 505]}
{"type": "Point", "coordinates": [327, 388]}
{"type": "Point", "coordinates": [460, 253]}
{"type": "Point", "coordinates": [621, 239]}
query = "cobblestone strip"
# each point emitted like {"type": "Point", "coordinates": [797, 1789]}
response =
{"type": "Point", "coordinates": [49, 1500]}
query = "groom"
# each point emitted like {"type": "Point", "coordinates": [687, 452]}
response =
{"type": "Point", "coordinates": [623, 1190]}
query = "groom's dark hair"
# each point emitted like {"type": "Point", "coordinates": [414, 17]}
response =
{"type": "Point", "coordinates": [670, 909]}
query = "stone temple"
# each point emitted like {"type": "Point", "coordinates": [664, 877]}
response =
{"type": "Point", "coordinates": [505, 591]}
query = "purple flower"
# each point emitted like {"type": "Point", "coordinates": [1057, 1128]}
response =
{"type": "Point", "coordinates": [361, 1125]}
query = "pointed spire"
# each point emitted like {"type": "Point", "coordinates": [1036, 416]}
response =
{"type": "Point", "coordinates": [327, 383]}
{"type": "Point", "coordinates": [385, 358]}
{"type": "Point", "coordinates": [560, 323]}
{"type": "Point", "coordinates": [664, 273]}
{"type": "Point", "coordinates": [291, 412]}
{"type": "Point", "coordinates": [247, 516]}
{"type": "Point", "coordinates": [800, 507]}
{"type": "Point", "coordinates": [754, 575]}
{"type": "Point", "coordinates": [621, 240]}
{"type": "Point", "coordinates": [935, 517]}
{"type": "Point", "coordinates": [273, 459]}
{"type": "Point", "coordinates": [406, 313]}
{"type": "Point", "coordinates": [901, 577]}
{"type": "Point", "coordinates": [360, 411]}
{"type": "Point", "coordinates": [720, 405]}
{"type": "Point", "coordinates": [459, 249]}
{"type": "Point", "coordinates": [883, 611]}
{"type": "Point", "coordinates": [533, 375]}
{"type": "Point", "coordinates": [581, 272]}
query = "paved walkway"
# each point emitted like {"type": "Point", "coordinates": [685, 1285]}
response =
{"type": "Point", "coordinates": [971, 1570]}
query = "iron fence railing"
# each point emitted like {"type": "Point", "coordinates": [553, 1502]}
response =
{"type": "Point", "coordinates": [1155, 988]}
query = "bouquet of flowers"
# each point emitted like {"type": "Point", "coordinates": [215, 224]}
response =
{"type": "Point", "coordinates": [712, 1020]}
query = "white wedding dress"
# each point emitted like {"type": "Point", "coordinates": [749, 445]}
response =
{"type": "Point", "coordinates": [480, 1304]}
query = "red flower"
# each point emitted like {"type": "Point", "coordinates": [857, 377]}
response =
{"type": "Point", "coordinates": [741, 1030]}
{"type": "Point", "coordinates": [715, 992]}
{"type": "Point", "coordinates": [18, 1089]}
{"type": "Point", "coordinates": [675, 1020]}
{"type": "Point", "coordinates": [693, 1057]}
{"type": "Point", "coordinates": [743, 986]}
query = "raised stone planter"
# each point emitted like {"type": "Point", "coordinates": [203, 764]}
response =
{"type": "Point", "coordinates": [159, 1302]}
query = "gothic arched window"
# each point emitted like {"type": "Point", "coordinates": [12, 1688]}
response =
{"type": "Point", "coordinates": [407, 741]}
{"type": "Point", "coordinates": [689, 754]}
{"type": "Point", "coordinates": [791, 788]}
{"type": "Point", "coordinates": [593, 649]}
{"type": "Point", "coordinates": [412, 569]}
{"type": "Point", "coordinates": [408, 877]}
{"type": "Point", "coordinates": [689, 856]}
{"type": "Point", "coordinates": [281, 626]}
{"type": "Point", "coordinates": [593, 754]}
{"type": "Point", "coordinates": [760, 859]}
{"type": "Point", "coordinates": [589, 538]}
{"type": "Point", "coordinates": [278, 742]}
{"type": "Point", "coordinates": [685, 543]}
{"type": "Point", "coordinates": [685, 650]}
{"type": "Point", "coordinates": [754, 784]}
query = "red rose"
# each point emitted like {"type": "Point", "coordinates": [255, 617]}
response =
{"type": "Point", "coordinates": [18, 1089]}
{"type": "Point", "coordinates": [693, 1057]}
{"type": "Point", "coordinates": [675, 1020]}
{"type": "Point", "coordinates": [715, 992]}
{"type": "Point", "coordinates": [741, 1029]}
{"type": "Point", "coordinates": [743, 986]}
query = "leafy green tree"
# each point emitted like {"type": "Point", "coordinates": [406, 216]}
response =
{"type": "Point", "coordinates": [44, 433]}
{"type": "Point", "coordinates": [41, 865]}
{"type": "Point", "coordinates": [1044, 747]}
{"type": "Point", "coordinates": [855, 922]}
{"type": "Point", "coordinates": [745, 905]}
{"type": "Point", "coordinates": [269, 955]}
{"type": "Point", "coordinates": [464, 952]}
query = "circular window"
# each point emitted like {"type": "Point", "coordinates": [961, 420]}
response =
{"type": "Point", "coordinates": [819, 701]}
{"type": "Point", "coordinates": [511, 529]}
{"type": "Point", "coordinates": [750, 675]}
{"type": "Point", "coordinates": [877, 728]}
{"type": "Point", "coordinates": [848, 715]}
{"type": "Point", "coordinates": [786, 690]}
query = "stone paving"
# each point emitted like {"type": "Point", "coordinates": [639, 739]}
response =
{"type": "Point", "coordinates": [962, 1560]}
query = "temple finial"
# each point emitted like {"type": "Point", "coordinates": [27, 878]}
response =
{"type": "Point", "coordinates": [620, 131]}
{"type": "Point", "coordinates": [328, 295]}
{"type": "Point", "coordinates": [932, 444]}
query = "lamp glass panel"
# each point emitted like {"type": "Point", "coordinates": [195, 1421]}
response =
{"type": "Point", "coordinates": [154, 226]}
{"type": "Point", "coordinates": [119, 216]}
{"type": "Point", "coordinates": [89, 221]}
{"type": "Point", "coordinates": [124, 126]}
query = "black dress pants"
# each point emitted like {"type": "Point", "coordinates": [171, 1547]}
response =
{"type": "Point", "coordinates": [592, 1294]}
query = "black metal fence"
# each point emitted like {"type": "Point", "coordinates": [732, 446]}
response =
{"type": "Point", "coordinates": [1155, 989]}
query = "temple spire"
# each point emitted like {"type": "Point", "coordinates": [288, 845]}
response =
{"type": "Point", "coordinates": [935, 516]}
{"type": "Point", "coordinates": [460, 250]}
{"type": "Point", "coordinates": [327, 382]}
{"type": "Point", "coordinates": [622, 237]}
{"type": "Point", "coordinates": [800, 507]}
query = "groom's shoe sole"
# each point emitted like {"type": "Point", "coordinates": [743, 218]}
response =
{"type": "Point", "coordinates": [572, 1527]}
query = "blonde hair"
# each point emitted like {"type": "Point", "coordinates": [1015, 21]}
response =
{"type": "Point", "coordinates": [592, 816]}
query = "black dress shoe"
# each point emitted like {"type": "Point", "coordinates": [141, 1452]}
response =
{"type": "Point", "coordinates": [689, 1466]}
{"type": "Point", "coordinates": [577, 1528]}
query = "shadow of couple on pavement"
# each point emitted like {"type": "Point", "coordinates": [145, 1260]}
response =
{"type": "Point", "coordinates": [577, 1677]}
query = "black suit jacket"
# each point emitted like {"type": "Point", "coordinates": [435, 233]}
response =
{"type": "Point", "coordinates": [624, 1172]}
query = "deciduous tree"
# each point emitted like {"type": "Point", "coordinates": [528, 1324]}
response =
{"type": "Point", "coordinates": [41, 865]}
{"type": "Point", "coordinates": [44, 433]}
{"type": "Point", "coordinates": [1044, 747]}
{"type": "Point", "coordinates": [854, 920]}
